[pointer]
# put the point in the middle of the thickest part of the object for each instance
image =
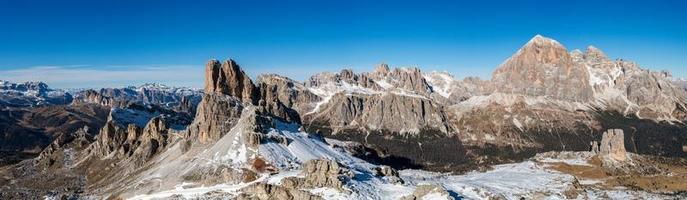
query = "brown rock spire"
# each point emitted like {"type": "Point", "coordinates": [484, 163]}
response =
{"type": "Point", "coordinates": [228, 78]}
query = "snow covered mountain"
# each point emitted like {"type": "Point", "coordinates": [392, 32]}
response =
{"type": "Point", "coordinates": [150, 93]}
{"type": "Point", "coordinates": [31, 94]}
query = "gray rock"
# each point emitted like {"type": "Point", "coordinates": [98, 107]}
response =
{"type": "Point", "coordinates": [284, 98]}
{"type": "Point", "coordinates": [317, 174]}
{"type": "Point", "coordinates": [216, 115]}
{"type": "Point", "coordinates": [381, 112]}
{"type": "Point", "coordinates": [389, 173]}
{"type": "Point", "coordinates": [613, 145]}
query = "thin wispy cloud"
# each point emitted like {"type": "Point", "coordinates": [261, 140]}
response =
{"type": "Point", "coordinates": [85, 76]}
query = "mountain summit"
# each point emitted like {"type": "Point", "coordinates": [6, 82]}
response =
{"type": "Point", "coordinates": [543, 67]}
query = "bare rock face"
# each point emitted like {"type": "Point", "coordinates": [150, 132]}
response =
{"type": "Point", "coordinates": [101, 98]}
{"type": "Point", "coordinates": [153, 138]}
{"type": "Point", "coordinates": [381, 70]}
{"type": "Point", "coordinates": [410, 79]}
{"type": "Point", "coordinates": [112, 138]}
{"type": "Point", "coordinates": [319, 173]}
{"type": "Point", "coordinates": [228, 78]}
{"type": "Point", "coordinates": [543, 67]}
{"type": "Point", "coordinates": [654, 93]}
{"type": "Point", "coordinates": [215, 116]}
{"type": "Point", "coordinates": [625, 87]}
{"type": "Point", "coordinates": [346, 76]}
{"type": "Point", "coordinates": [227, 90]}
{"type": "Point", "coordinates": [59, 153]}
{"type": "Point", "coordinates": [284, 98]}
{"type": "Point", "coordinates": [136, 132]}
{"type": "Point", "coordinates": [613, 145]}
{"type": "Point", "coordinates": [381, 112]}
{"type": "Point", "coordinates": [189, 104]}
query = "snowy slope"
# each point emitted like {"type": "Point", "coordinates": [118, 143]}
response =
{"type": "Point", "coordinates": [529, 179]}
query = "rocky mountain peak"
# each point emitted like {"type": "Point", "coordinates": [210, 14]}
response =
{"type": "Point", "coordinates": [543, 67]}
{"type": "Point", "coordinates": [541, 41]}
{"type": "Point", "coordinates": [543, 49]}
{"type": "Point", "coordinates": [595, 54]}
{"type": "Point", "coordinates": [613, 145]}
{"type": "Point", "coordinates": [382, 69]}
{"type": "Point", "coordinates": [29, 94]}
{"type": "Point", "coordinates": [228, 78]}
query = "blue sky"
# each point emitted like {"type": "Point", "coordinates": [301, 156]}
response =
{"type": "Point", "coordinates": [116, 43]}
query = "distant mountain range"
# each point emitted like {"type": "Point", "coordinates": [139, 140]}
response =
{"type": "Point", "coordinates": [546, 118]}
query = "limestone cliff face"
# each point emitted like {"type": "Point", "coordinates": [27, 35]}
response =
{"type": "Point", "coordinates": [613, 145]}
{"type": "Point", "coordinates": [153, 139]}
{"type": "Point", "coordinates": [227, 89]}
{"type": "Point", "coordinates": [623, 86]}
{"type": "Point", "coordinates": [228, 78]}
{"type": "Point", "coordinates": [376, 101]}
{"type": "Point", "coordinates": [215, 116]}
{"type": "Point", "coordinates": [543, 67]}
{"type": "Point", "coordinates": [92, 96]}
{"type": "Point", "coordinates": [62, 149]}
{"type": "Point", "coordinates": [345, 77]}
{"type": "Point", "coordinates": [381, 112]}
{"type": "Point", "coordinates": [284, 97]}
{"type": "Point", "coordinates": [410, 79]}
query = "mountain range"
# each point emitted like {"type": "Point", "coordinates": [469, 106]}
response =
{"type": "Point", "coordinates": [550, 123]}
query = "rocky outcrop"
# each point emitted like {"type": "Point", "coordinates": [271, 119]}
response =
{"type": "Point", "coordinates": [227, 91]}
{"type": "Point", "coordinates": [346, 76]}
{"type": "Point", "coordinates": [625, 87]}
{"type": "Point", "coordinates": [263, 191]}
{"type": "Point", "coordinates": [410, 79]}
{"type": "Point", "coordinates": [189, 104]}
{"type": "Point", "coordinates": [137, 133]}
{"type": "Point", "coordinates": [284, 98]}
{"type": "Point", "coordinates": [228, 78]}
{"type": "Point", "coordinates": [215, 116]}
{"type": "Point", "coordinates": [429, 192]}
{"type": "Point", "coordinates": [92, 96]}
{"type": "Point", "coordinates": [543, 67]}
{"type": "Point", "coordinates": [153, 138]}
{"type": "Point", "coordinates": [613, 145]}
{"type": "Point", "coordinates": [317, 174]}
{"type": "Point", "coordinates": [389, 173]}
{"type": "Point", "coordinates": [381, 113]}
{"type": "Point", "coordinates": [62, 150]}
